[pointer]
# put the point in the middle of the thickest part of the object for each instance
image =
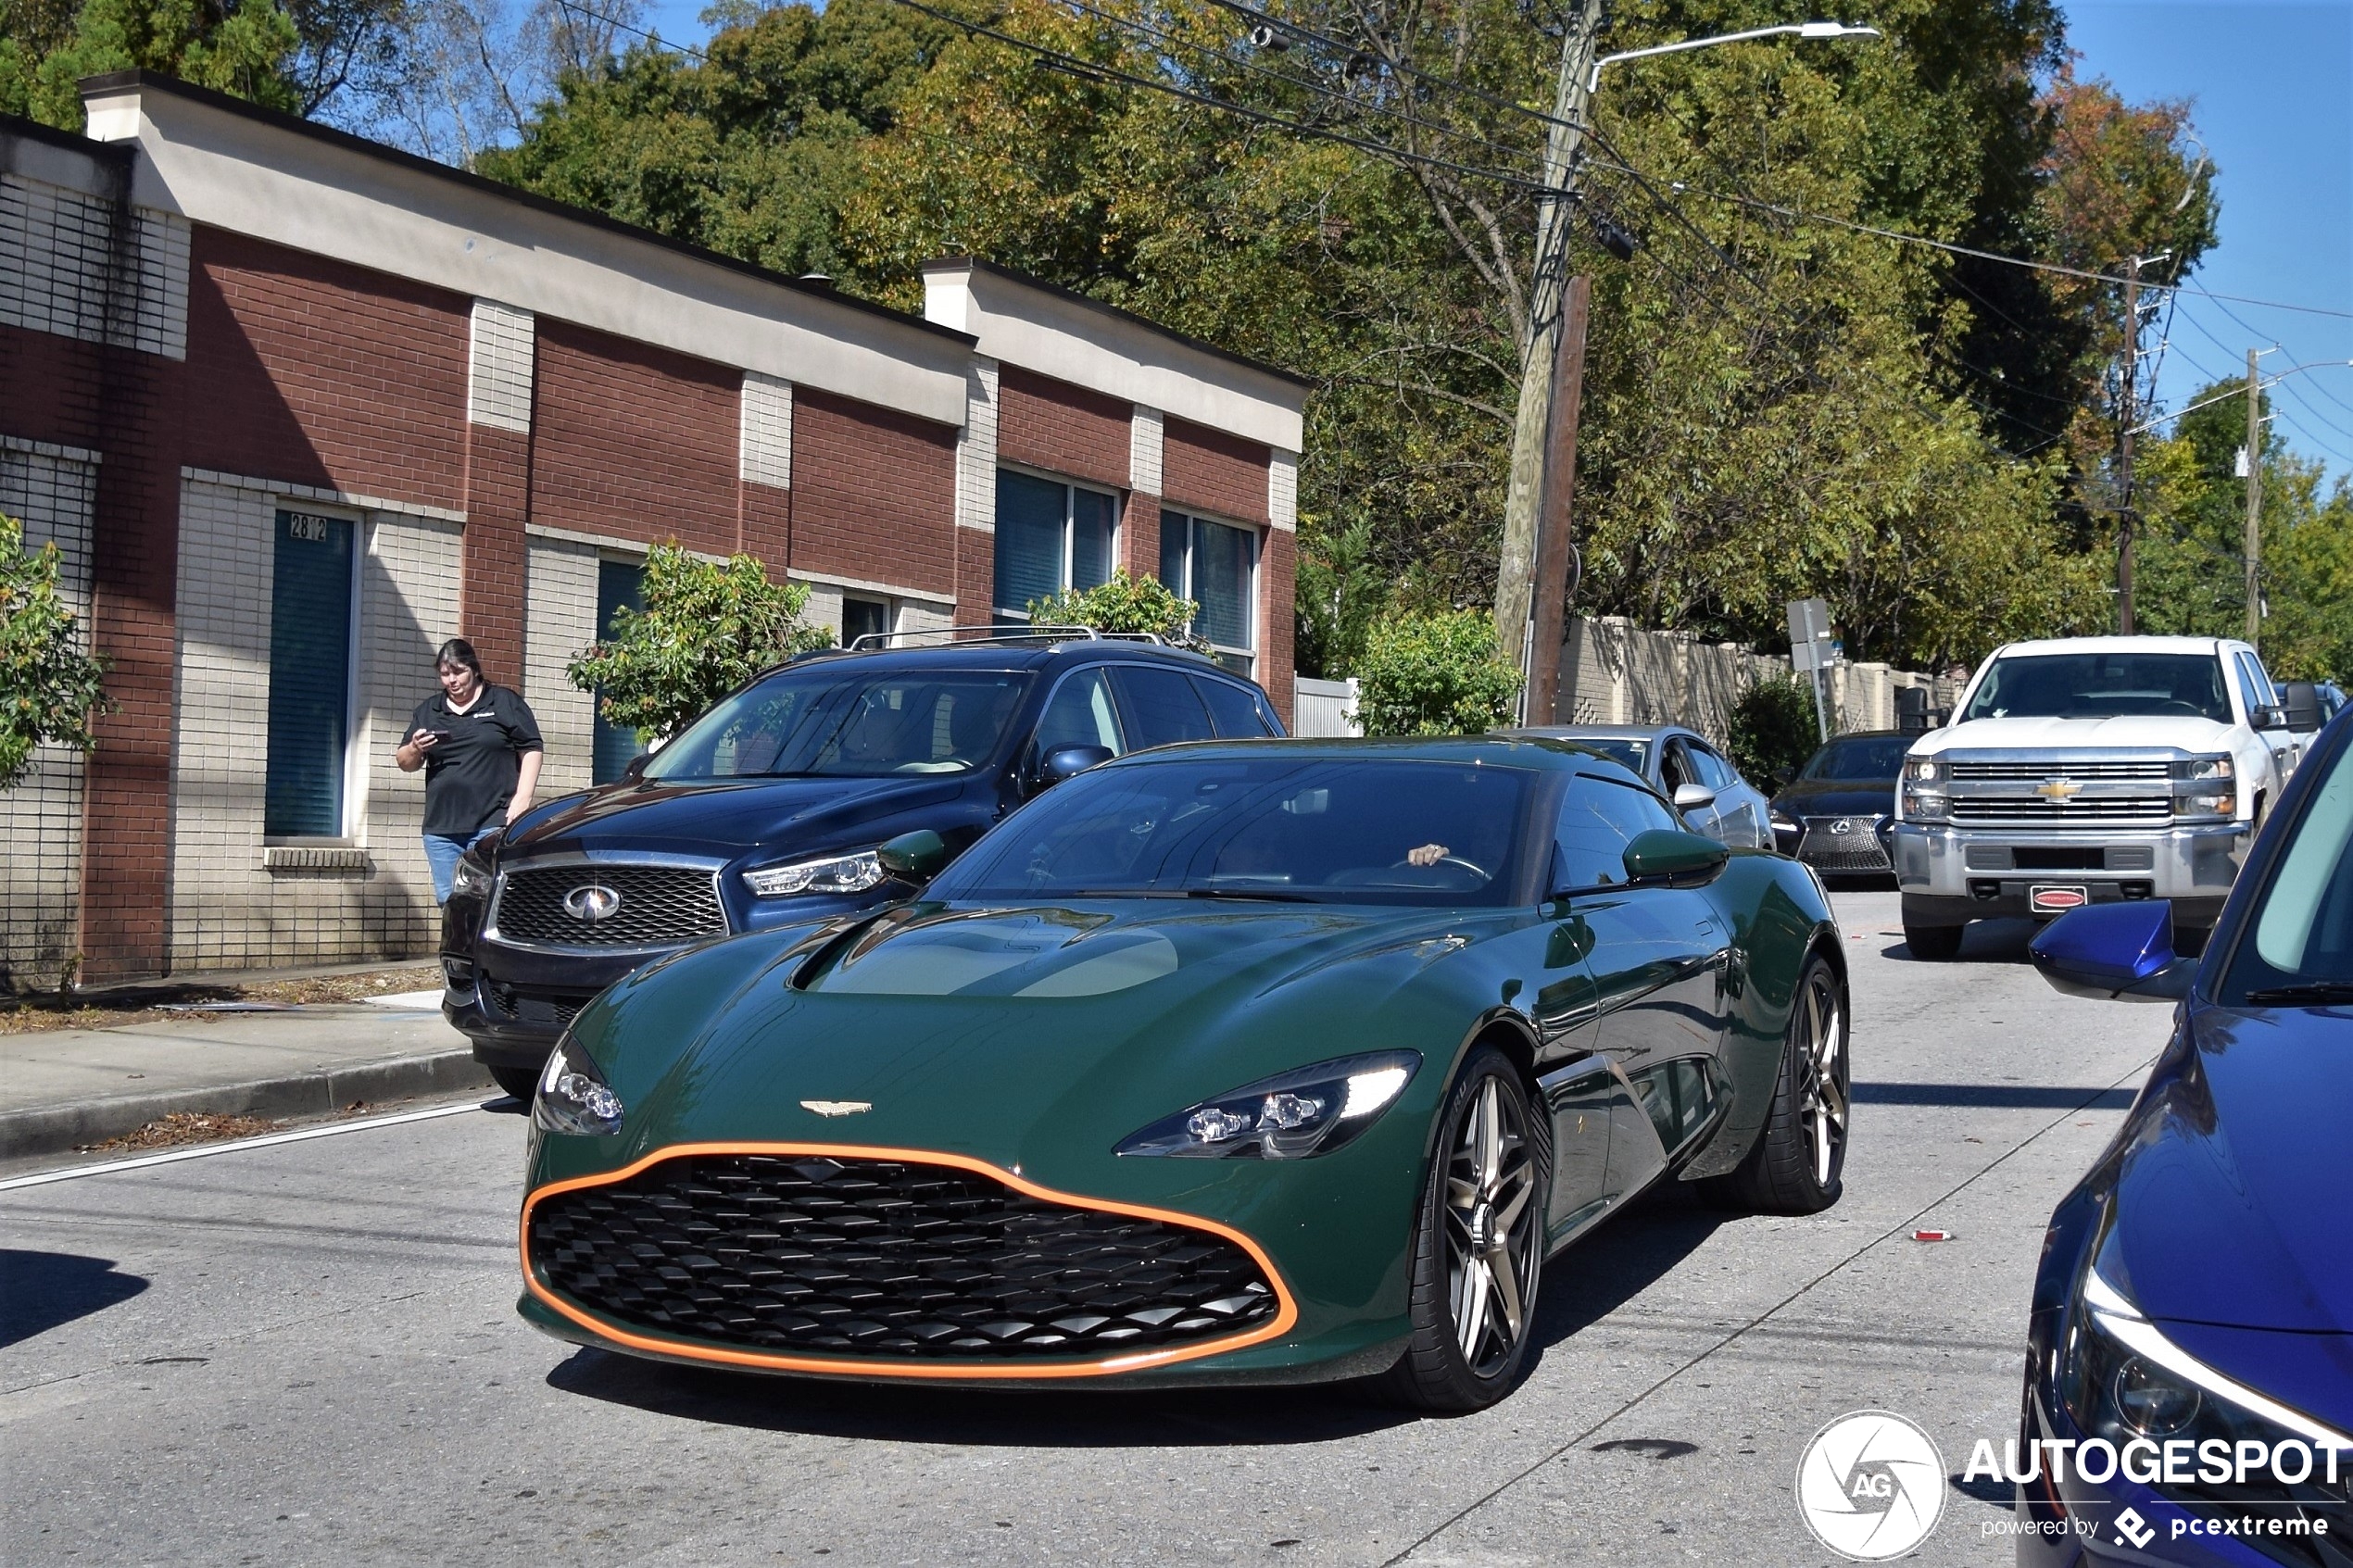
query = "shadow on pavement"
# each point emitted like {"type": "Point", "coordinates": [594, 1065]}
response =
{"type": "Point", "coordinates": [1982, 941]}
{"type": "Point", "coordinates": [1996, 1097]}
{"type": "Point", "coordinates": [40, 1291]}
{"type": "Point", "coordinates": [1249, 1417]}
{"type": "Point", "coordinates": [1617, 1262]}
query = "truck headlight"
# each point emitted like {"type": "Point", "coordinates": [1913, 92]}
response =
{"type": "Point", "coordinates": [2199, 769]}
{"type": "Point", "coordinates": [1920, 770]}
{"type": "Point", "coordinates": [1925, 805]}
{"type": "Point", "coordinates": [2206, 807]}
{"type": "Point", "coordinates": [853, 872]}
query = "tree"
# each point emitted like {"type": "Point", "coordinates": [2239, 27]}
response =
{"type": "Point", "coordinates": [242, 49]}
{"type": "Point", "coordinates": [50, 690]}
{"type": "Point", "coordinates": [705, 630]}
{"type": "Point", "coordinates": [1434, 676]}
{"type": "Point", "coordinates": [1775, 730]}
{"type": "Point", "coordinates": [1123, 603]}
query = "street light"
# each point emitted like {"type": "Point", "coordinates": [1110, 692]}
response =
{"type": "Point", "coordinates": [1803, 29]}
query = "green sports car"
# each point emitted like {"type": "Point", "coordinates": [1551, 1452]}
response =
{"type": "Point", "coordinates": [1263, 1061]}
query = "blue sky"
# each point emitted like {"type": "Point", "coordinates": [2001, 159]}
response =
{"type": "Point", "coordinates": [2271, 92]}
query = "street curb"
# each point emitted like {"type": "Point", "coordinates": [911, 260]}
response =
{"type": "Point", "coordinates": [56, 1129]}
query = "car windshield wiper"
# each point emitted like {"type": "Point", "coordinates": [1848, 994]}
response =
{"type": "Point", "coordinates": [1266, 895]}
{"type": "Point", "coordinates": [2315, 993]}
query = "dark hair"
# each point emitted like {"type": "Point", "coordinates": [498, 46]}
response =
{"type": "Point", "coordinates": [459, 652]}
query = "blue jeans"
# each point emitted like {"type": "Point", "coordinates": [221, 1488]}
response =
{"type": "Point", "coordinates": [441, 850]}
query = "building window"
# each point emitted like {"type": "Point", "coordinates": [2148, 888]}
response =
{"type": "Point", "coordinates": [1050, 536]}
{"type": "Point", "coordinates": [311, 586]}
{"type": "Point", "coordinates": [1215, 565]}
{"type": "Point", "coordinates": [862, 618]}
{"type": "Point", "coordinates": [620, 584]}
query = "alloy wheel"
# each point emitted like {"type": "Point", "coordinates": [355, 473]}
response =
{"type": "Point", "coordinates": [1821, 1048]}
{"type": "Point", "coordinates": [1491, 1227]}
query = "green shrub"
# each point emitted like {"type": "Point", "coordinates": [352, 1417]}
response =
{"type": "Point", "coordinates": [1123, 603]}
{"type": "Point", "coordinates": [1774, 731]}
{"type": "Point", "coordinates": [50, 690]}
{"type": "Point", "coordinates": [705, 630]}
{"type": "Point", "coordinates": [1434, 676]}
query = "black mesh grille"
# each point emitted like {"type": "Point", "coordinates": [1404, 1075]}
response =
{"type": "Point", "coordinates": [1856, 849]}
{"type": "Point", "coordinates": [881, 1259]}
{"type": "Point", "coordinates": [546, 1010]}
{"type": "Point", "coordinates": [655, 905]}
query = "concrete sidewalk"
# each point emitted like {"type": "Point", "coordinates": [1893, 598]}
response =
{"type": "Point", "coordinates": [66, 1088]}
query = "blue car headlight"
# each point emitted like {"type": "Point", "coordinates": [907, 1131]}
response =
{"type": "Point", "coordinates": [1308, 1111]}
{"type": "Point", "coordinates": [574, 1096]}
{"type": "Point", "coordinates": [472, 876]}
{"type": "Point", "coordinates": [852, 873]}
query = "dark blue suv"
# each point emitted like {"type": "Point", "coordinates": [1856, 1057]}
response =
{"type": "Point", "coordinates": [770, 806]}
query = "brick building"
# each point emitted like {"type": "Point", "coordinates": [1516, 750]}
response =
{"type": "Point", "coordinates": [295, 406]}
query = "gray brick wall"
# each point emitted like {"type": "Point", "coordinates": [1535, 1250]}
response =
{"type": "Point", "coordinates": [560, 619]}
{"type": "Point", "coordinates": [55, 246]}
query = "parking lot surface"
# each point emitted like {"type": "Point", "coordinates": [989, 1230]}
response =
{"type": "Point", "coordinates": [309, 1352]}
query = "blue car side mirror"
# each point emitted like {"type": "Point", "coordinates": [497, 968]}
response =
{"type": "Point", "coordinates": [2115, 952]}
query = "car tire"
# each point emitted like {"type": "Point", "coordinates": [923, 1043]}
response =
{"type": "Point", "coordinates": [1934, 944]}
{"type": "Point", "coordinates": [520, 1081]}
{"type": "Point", "coordinates": [1478, 1246]}
{"type": "Point", "coordinates": [1799, 1162]}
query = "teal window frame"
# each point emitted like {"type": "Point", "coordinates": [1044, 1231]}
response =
{"type": "Point", "coordinates": [308, 792]}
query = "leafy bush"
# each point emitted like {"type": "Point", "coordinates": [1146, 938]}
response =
{"type": "Point", "coordinates": [1774, 731]}
{"type": "Point", "coordinates": [50, 690]}
{"type": "Point", "coordinates": [1434, 676]}
{"type": "Point", "coordinates": [704, 631]}
{"type": "Point", "coordinates": [1123, 603]}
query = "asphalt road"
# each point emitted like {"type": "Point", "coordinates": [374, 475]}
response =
{"type": "Point", "coordinates": [309, 1352]}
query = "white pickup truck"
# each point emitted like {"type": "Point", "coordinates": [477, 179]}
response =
{"type": "Point", "coordinates": [2089, 770]}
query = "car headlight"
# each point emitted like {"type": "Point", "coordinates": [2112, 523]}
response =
{"type": "Point", "coordinates": [473, 876]}
{"type": "Point", "coordinates": [1922, 770]}
{"type": "Point", "coordinates": [1311, 1110]}
{"type": "Point", "coordinates": [574, 1096]}
{"type": "Point", "coordinates": [2196, 769]}
{"type": "Point", "coordinates": [1782, 823]}
{"type": "Point", "coordinates": [2214, 806]}
{"type": "Point", "coordinates": [1925, 805]}
{"type": "Point", "coordinates": [2173, 1421]}
{"type": "Point", "coordinates": [853, 872]}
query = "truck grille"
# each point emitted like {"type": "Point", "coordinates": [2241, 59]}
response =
{"type": "Point", "coordinates": [2060, 767]}
{"type": "Point", "coordinates": [653, 906]}
{"type": "Point", "coordinates": [2033, 808]}
{"type": "Point", "coordinates": [1856, 849]}
{"type": "Point", "coordinates": [884, 1258]}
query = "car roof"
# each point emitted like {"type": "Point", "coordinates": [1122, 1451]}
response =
{"type": "Point", "coordinates": [1528, 751]}
{"type": "Point", "coordinates": [2120, 644]}
{"type": "Point", "coordinates": [1008, 655]}
{"type": "Point", "coordinates": [1601, 732]}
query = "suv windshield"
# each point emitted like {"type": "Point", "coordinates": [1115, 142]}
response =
{"type": "Point", "coordinates": [835, 718]}
{"type": "Point", "coordinates": [2102, 685]}
{"type": "Point", "coordinates": [2299, 931]}
{"type": "Point", "coordinates": [1881, 756]}
{"type": "Point", "coordinates": [1288, 829]}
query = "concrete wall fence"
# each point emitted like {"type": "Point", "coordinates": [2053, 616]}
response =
{"type": "Point", "coordinates": [226, 334]}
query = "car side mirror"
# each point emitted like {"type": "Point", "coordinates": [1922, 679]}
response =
{"type": "Point", "coordinates": [2114, 952]}
{"type": "Point", "coordinates": [2266, 718]}
{"type": "Point", "coordinates": [1664, 854]}
{"type": "Point", "coordinates": [1065, 761]}
{"type": "Point", "coordinates": [2301, 702]}
{"type": "Point", "coordinates": [1693, 798]}
{"type": "Point", "coordinates": [912, 856]}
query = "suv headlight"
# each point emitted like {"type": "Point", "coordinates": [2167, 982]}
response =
{"type": "Point", "coordinates": [1311, 1110]}
{"type": "Point", "coordinates": [853, 872]}
{"type": "Point", "coordinates": [473, 876]}
{"type": "Point", "coordinates": [574, 1096]}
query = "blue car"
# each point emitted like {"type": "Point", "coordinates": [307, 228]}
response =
{"type": "Point", "coordinates": [2192, 1338]}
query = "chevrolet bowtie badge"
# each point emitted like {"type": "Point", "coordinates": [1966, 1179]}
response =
{"type": "Point", "coordinates": [2059, 789]}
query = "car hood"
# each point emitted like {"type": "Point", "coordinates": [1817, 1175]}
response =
{"type": "Point", "coordinates": [1837, 797]}
{"type": "Point", "coordinates": [2076, 735]}
{"type": "Point", "coordinates": [1021, 1035]}
{"type": "Point", "coordinates": [721, 819]}
{"type": "Point", "coordinates": [2223, 1208]}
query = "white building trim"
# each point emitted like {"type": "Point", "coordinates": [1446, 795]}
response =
{"type": "Point", "coordinates": [977, 450]}
{"type": "Point", "coordinates": [765, 454]}
{"type": "Point", "coordinates": [500, 364]}
{"type": "Point", "coordinates": [1144, 450]}
{"type": "Point", "coordinates": [1282, 491]}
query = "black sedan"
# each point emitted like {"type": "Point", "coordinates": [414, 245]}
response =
{"type": "Point", "coordinates": [1833, 816]}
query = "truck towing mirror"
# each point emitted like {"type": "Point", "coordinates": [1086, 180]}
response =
{"type": "Point", "coordinates": [2300, 700]}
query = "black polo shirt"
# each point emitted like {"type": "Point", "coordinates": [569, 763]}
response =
{"type": "Point", "coordinates": [469, 774]}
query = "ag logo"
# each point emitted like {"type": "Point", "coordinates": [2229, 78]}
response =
{"type": "Point", "coordinates": [1870, 1485]}
{"type": "Point", "coordinates": [592, 903]}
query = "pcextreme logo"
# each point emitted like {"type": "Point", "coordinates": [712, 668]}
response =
{"type": "Point", "coordinates": [1870, 1485]}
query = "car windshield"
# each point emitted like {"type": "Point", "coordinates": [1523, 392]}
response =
{"type": "Point", "coordinates": [1617, 748]}
{"type": "Point", "coordinates": [1880, 757]}
{"type": "Point", "coordinates": [2102, 685]}
{"type": "Point", "coordinates": [2300, 929]}
{"type": "Point", "coordinates": [1319, 830]}
{"type": "Point", "coordinates": [834, 719]}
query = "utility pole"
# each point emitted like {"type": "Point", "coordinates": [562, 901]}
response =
{"type": "Point", "coordinates": [2127, 395]}
{"type": "Point", "coordinates": [2254, 500]}
{"type": "Point", "coordinates": [1551, 606]}
{"type": "Point", "coordinates": [1532, 423]}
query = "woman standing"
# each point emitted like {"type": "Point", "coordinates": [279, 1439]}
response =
{"type": "Point", "coordinates": [480, 748]}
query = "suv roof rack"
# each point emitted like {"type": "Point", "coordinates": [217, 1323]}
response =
{"type": "Point", "coordinates": [1001, 632]}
